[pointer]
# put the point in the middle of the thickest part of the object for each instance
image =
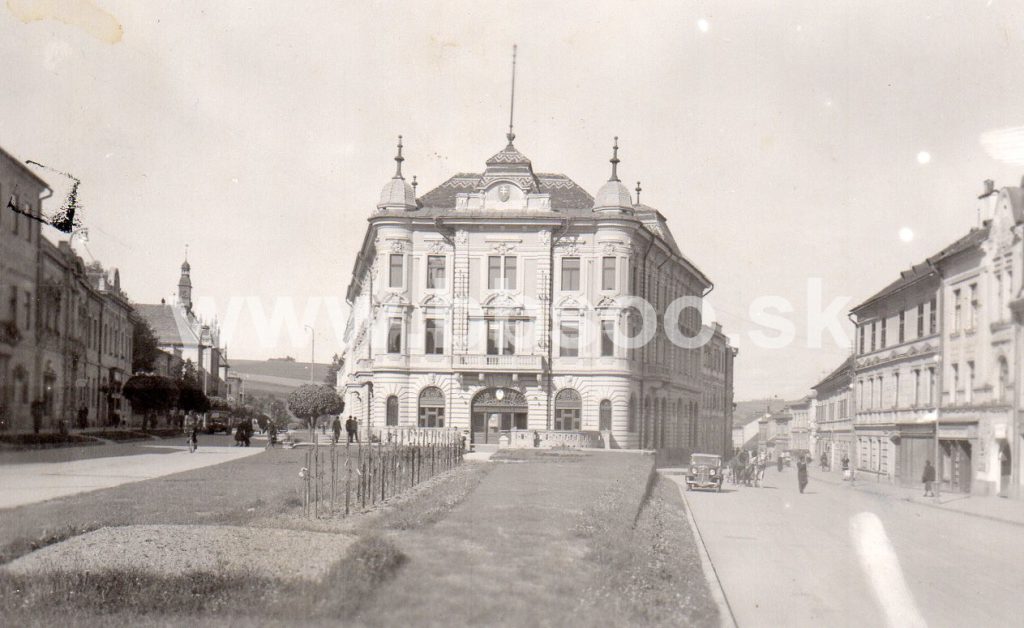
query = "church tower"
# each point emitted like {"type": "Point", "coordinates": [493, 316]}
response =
{"type": "Point", "coordinates": [185, 287]}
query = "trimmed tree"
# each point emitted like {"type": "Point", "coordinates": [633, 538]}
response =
{"type": "Point", "coordinates": [309, 402]}
{"type": "Point", "coordinates": [150, 395]}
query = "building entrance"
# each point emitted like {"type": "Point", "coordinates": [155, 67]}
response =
{"type": "Point", "coordinates": [497, 410]}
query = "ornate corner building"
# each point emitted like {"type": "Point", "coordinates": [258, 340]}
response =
{"type": "Point", "coordinates": [501, 302]}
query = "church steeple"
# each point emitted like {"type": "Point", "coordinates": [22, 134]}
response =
{"type": "Point", "coordinates": [185, 284]}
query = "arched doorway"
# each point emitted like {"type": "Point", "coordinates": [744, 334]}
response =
{"type": "Point", "coordinates": [497, 410]}
{"type": "Point", "coordinates": [568, 410]}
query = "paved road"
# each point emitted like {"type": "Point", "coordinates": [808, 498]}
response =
{"type": "Point", "coordinates": [835, 556]}
{"type": "Point", "coordinates": [32, 482]}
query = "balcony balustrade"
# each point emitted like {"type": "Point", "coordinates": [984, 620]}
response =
{"type": "Point", "coordinates": [499, 363]}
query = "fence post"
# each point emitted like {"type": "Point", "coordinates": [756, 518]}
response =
{"type": "Point", "coordinates": [348, 482]}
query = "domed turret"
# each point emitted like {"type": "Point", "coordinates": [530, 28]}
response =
{"type": "Point", "coordinates": [613, 195]}
{"type": "Point", "coordinates": [397, 193]}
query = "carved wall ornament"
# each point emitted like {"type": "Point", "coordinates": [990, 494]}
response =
{"type": "Point", "coordinates": [398, 246]}
{"type": "Point", "coordinates": [503, 248]}
{"type": "Point", "coordinates": [437, 247]}
{"type": "Point", "coordinates": [461, 236]}
{"type": "Point", "coordinates": [545, 236]}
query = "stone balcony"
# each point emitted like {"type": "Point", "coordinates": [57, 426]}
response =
{"type": "Point", "coordinates": [499, 363]}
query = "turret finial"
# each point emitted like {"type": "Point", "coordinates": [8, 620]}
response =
{"type": "Point", "coordinates": [511, 136]}
{"type": "Point", "coordinates": [414, 183]}
{"type": "Point", "coordinates": [615, 160]}
{"type": "Point", "coordinates": [638, 188]}
{"type": "Point", "coordinates": [398, 160]}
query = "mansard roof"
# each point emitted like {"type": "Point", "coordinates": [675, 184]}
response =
{"type": "Point", "coordinates": [566, 194]}
{"type": "Point", "coordinates": [171, 324]}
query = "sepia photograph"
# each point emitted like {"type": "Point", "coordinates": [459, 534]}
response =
{"type": "Point", "coordinates": [671, 313]}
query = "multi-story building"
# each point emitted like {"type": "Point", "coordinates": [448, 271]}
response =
{"type": "Point", "coordinates": [499, 302]}
{"type": "Point", "coordinates": [981, 350]}
{"type": "Point", "coordinates": [832, 415]}
{"type": "Point", "coordinates": [183, 335]}
{"type": "Point", "coordinates": [21, 196]}
{"type": "Point", "coordinates": [896, 373]}
{"type": "Point", "coordinates": [713, 430]}
{"type": "Point", "coordinates": [800, 426]}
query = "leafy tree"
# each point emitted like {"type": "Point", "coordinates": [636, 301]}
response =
{"type": "Point", "coordinates": [310, 402]}
{"type": "Point", "coordinates": [191, 397]}
{"type": "Point", "coordinates": [150, 395]}
{"type": "Point", "coordinates": [144, 345]}
{"type": "Point", "coordinates": [331, 378]}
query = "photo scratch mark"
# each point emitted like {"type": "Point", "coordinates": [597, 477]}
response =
{"type": "Point", "coordinates": [63, 219]}
{"type": "Point", "coordinates": [83, 14]}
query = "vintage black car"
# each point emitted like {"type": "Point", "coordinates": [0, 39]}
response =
{"type": "Point", "coordinates": [705, 472]}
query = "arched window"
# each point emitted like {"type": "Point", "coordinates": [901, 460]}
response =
{"type": "Point", "coordinates": [605, 416]}
{"type": "Point", "coordinates": [392, 416]}
{"type": "Point", "coordinates": [431, 412]}
{"type": "Point", "coordinates": [631, 419]}
{"type": "Point", "coordinates": [568, 407]}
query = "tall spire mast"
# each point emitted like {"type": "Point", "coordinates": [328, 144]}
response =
{"type": "Point", "coordinates": [512, 104]}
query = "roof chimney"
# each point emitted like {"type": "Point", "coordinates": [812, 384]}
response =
{"type": "Point", "coordinates": [990, 188]}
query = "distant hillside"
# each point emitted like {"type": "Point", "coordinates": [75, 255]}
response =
{"type": "Point", "coordinates": [275, 377]}
{"type": "Point", "coordinates": [747, 411]}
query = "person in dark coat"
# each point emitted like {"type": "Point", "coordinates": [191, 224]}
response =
{"type": "Point", "coordinates": [352, 428]}
{"type": "Point", "coordinates": [928, 478]}
{"type": "Point", "coordinates": [801, 473]}
{"type": "Point", "coordinates": [778, 463]}
{"type": "Point", "coordinates": [271, 435]}
{"type": "Point", "coordinates": [336, 428]}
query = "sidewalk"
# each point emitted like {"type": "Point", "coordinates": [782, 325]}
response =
{"type": "Point", "coordinates": [993, 508]}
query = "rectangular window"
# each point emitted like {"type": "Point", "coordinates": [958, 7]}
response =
{"type": "Point", "coordinates": [570, 273]}
{"type": "Point", "coordinates": [956, 383]}
{"type": "Point", "coordinates": [13, 305]}
{"type": "Point", "coordinates": [863, 329]}
{"type": "Point", "coordinates": [28, 310]}
{"type": "Point", "coordinates": [501, 338]}
{"type": "Point", "coordinates": [974, 306]}
{"type": "Point", "coordinates": [874, 327]}
{"type": "Point", "coordinates": [931, 385]}
{"type": "Point", "coordinates": [999, 297]}
{"type": "Point", "coordinates": [607, 338]}
{"type": "Point", "coordinates": [394, 335]}
{"type": "Point", "coordinates": [920, 320]}
{"type": "Point", "coordinates": [435, 272]}
{"type": "Point", "coordinates": [13, 202]}
{"type": "Point", "coordinates": [933, 316]}
{"type": "Point", "coordinates": [956, 311]}
{"type": "Point", "coordinates": [501, 272]}
{"type": "Point", "coordinates": [569, 346]}
{"type": "Point", "coordinates": [607, 273]}
{"type": "Point", "coordinates": [896, 390]}
{"type": "Point", "coordinates": [903, 326]}
{"type": "Point", "coordinates": [884, 324]}
{"type": "Point", "coordinates": [969, 391]}
{"type": "Point", "coordinates": [434, 333]}
{"type": "Point", "coordinates": [917, 387]}
{"type": "Point", "coordinates": [397, 269]}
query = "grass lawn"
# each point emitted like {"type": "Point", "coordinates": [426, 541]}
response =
{"type": "Point", "coordinates": [541, 538]}
{"type": "Point", "coordinates": [553, 539]}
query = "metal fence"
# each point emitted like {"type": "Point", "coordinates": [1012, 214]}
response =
{"type": "Point", "coordinates": [346, 477]}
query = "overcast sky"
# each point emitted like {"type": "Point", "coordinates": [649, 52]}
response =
{"type": "Point", "coordinates": [782, 142]}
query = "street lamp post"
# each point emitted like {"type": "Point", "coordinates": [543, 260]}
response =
{"type": "Point", "coordinates": [312, 350]}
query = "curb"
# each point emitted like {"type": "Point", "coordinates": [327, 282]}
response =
{"type": "Point", "coordinates": [935, 506]}
{"type": "Point", "coordinates": [726, 617]}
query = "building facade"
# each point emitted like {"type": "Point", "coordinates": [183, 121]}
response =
{"type": "Point", "coordinates": [22, 194]}
{"type": "Point", "coordinates": [832, 415]}
{"type": "Point", "coordinates": [981, 348]}
{"type": "Point", "coordinates": [500, 303]}
{"type": "Point", "coordinates": [896, 371]}
{"type": "Point", "coordinates": [800, 426]}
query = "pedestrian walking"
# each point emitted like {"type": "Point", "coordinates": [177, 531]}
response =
{"type": "Point", "coordinates": [336, 428]}
{"type": "Point", "coordinates": [928, 478]}
{"type": "Point", "coordinates": [271, 436]}
{"type": "Point", "coordinates": [801, 473]}
{"type": "Point", "coordinates": [778, 463]}
{"type": "Point", "coordinates": [193, 439]}
{"type": "Point", "coordinates": [352, 429]}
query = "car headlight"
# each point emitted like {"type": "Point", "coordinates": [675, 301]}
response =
{"type": "Point", "coordinates": [693, 470]}
{"type": "Point", "coordinates": [712, 472]}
